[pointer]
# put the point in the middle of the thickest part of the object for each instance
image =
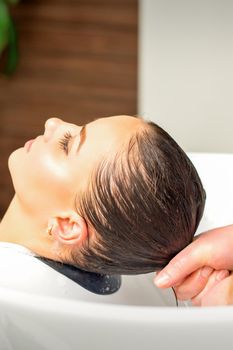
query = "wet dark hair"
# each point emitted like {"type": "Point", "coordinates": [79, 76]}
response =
{"type": "Point", "coordinates": [143, 205]}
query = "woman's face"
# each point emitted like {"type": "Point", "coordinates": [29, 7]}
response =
{"type": "Point", "coordinates": [48, 175]}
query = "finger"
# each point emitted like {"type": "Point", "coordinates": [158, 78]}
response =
{"type": "Point", "coordinates": [175, 284]}
{"type": "Point", "coordinates": [221, 294]}
{"type": "Point", "coordinates": [191, 258]}
{"type": "Point", "coordinates": [193, 284]}
{"type": "Point", "coordinates": [213, 281]}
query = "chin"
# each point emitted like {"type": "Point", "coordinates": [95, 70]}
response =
{"type": "Point", "coordinates": [13, 158]}
{"type": "Point", "coordinates": [15, 163]}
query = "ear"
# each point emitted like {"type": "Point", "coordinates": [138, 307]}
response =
{"type": "Point", "coordinates": [68, 228]}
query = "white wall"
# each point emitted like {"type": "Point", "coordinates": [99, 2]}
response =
{"type": "Point", "coordinates": [186, 70]}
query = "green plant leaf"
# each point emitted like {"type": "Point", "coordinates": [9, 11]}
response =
{"type": "Point", "coordinates": [12, 58]}
{"type": "Point", "coordinates": [4, 25]}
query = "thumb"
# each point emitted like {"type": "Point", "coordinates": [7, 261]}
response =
{"type": "Point", "coordinates": [191, 258]}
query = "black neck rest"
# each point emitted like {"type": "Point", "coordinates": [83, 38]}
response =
{"type": "Point", "coordinates": [93, 282]}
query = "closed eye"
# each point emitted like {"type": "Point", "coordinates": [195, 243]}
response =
{"type": "Point", "coordinates": [64, 142]}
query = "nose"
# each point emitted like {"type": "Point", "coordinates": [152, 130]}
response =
{"type": "Point", "coordinates": [51, 125]}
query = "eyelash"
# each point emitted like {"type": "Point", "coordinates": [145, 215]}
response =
{"type": "Point", "coordinates": [64, 142]}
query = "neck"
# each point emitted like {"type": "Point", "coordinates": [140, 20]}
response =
{"type": "Point", "coordinates": [18, 227]}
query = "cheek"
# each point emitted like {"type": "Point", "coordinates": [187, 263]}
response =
{"type": "Point", "coordinates": [48, 170]}
{"type": "Point", "coordinates": [49, 174]}
{"type": "Point", "coordinates": [41, 179]}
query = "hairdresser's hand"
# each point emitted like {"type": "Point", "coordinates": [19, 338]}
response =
{"type": "Point", "coordinates": [215, 293]}
{"type": "Point", "coordinates": [194, 269]}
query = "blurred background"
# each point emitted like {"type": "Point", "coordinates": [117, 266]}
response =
{"type": "Point", "coordinates": [77, 60]}
{"type": "Point", "coordinates": [186, 71]}
{"type": "Point", "coordinates": [167, 60]}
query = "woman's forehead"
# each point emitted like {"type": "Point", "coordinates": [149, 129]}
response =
{"type": "Point", "coordinates": [118, 123]}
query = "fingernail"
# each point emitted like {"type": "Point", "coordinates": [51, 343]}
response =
{"type": "Point", "coordinates": [221, 275]}
{"type": "Point", "coordinates": [206, 271]}
{"type": "Point", "coordinates": [161, 280]}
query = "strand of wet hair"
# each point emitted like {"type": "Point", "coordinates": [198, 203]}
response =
{"type": "Point", "coordinates": [177, 305]}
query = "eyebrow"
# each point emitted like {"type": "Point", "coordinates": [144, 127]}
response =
{"type": "Point", "coordinates": [82, 137]}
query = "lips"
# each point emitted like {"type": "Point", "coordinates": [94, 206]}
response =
{"type": "Point", "coordinates": [28, 145]}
